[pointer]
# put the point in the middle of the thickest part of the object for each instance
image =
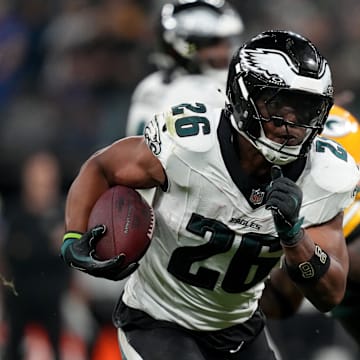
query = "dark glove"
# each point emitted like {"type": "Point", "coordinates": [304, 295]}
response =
{"type": "Point", "coordinates": [284, 198]}
{"type": "Point", "coordinates": [78, 251]}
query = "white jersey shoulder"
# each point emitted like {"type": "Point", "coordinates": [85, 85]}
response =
{"type": "Point", "coordinates": [184, 128]}
{"type": "Point", "coordinates": [333, 168]}
{"type": "Point", "coordinates": [328, 181]}
{"type": "Point", "coordinates": [146, 101]}
{"type": "Point", "coordinates": [199, 88]}
{"type": "Point", "coordinates": [154, 95]}
{"type": "Point", "coordinates": [148, 88]}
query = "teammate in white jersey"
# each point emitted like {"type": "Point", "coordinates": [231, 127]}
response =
{"type": "Point", "coordinates": [237, 189]}
{"type": "Point", "coordinates": [195, 40]}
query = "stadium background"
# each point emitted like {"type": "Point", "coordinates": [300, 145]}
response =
{"type": "Point", "coordinates": [68, 69]}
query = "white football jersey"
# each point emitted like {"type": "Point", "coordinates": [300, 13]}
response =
{"type": "Point", "coordinates": [153, 95]}
{"type": "Point", "coordinates": [214, 241]}
{"type": "Point", "coordinates": [146, 101]}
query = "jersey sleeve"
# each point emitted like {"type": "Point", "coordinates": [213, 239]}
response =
{"type": "Point", "coordinates": [180, 136]}
{"type": "Point", "coordinates": [183, 128]}
{"type": "Point", "coordinates": [329, 186]}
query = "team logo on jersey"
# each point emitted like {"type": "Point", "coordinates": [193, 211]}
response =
{"type": "Point", "coordinates": [152, 136]}
{"type": "Point", "coordinates": [245, 222]}
{"type": "Point", "coordinates": [257, 196]}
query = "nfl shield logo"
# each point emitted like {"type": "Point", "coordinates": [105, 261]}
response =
{"type": "Point", "coordinates": [257, 196]}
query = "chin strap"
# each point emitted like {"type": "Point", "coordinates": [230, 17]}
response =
{"type": "Point", "coordinates": [277, 153]}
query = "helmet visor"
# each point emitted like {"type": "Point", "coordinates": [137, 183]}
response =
{"type": "Point", "coordinates": [308, 110]}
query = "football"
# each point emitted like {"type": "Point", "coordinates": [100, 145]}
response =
{"type": "Point", "coordinates": [129, 221]}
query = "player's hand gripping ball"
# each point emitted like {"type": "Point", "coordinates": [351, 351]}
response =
{"type": "Point", "coordinates": [129, 222]}
{"type": "Point", "coordinates": [119, 232]}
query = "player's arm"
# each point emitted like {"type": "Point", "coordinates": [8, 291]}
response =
{"type": "Point", "coordinates": [281, 298]}
{"type": "Point", "coordinates": [321, 255]}
{"type": "Point", "coordinates": [127, 162]}
{"type": "Point", "coordinates": [315, 258]}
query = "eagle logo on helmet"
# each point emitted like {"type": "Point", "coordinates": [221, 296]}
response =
{"type": "Point", "coordinates": [277, 68]}
{"type": "Point", "coordinates": [274, 65]}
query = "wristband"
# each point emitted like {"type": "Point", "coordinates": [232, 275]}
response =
{"type": "Point", "coordinates": [72, 235]}
{"type": "Point", "coordinates": [309, 271]}
{"type": "Point", "coordinates": [69, 235]}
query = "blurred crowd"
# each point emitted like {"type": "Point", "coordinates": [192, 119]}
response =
{"type": "Point", "coordinates": [67, 72]}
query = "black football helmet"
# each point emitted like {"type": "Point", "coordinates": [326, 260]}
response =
{"type": "Point", "coordinates": [188, 25]}
{"type": "Point", "coordinates": [285, 68]}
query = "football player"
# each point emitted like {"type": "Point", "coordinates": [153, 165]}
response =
{"type": "Point", "coordinates": [237, 188]}
{"type": "Point", "coordinates": [280, 298]}
{"type": "Point", "coordinates": [195, 40]}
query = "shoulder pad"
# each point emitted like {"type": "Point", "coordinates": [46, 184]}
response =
{"type": "Point", "coordinates": [195, 87]}
{"type": "Point", "coordinates": [332, 167]}
{"type": "Point", "coordinates": [144, 91]}
{"type": "Point", "coordinates": [191, 126]}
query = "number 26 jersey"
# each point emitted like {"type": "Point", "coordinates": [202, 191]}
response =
{"type": "Point", "coordinates": [214, 242]}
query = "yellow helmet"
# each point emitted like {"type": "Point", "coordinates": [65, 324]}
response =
{"type": "Point", "coordinates": [344, 128]}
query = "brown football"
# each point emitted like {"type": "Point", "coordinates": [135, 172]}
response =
{"type": "Point", "coordinates": [129, 221]}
